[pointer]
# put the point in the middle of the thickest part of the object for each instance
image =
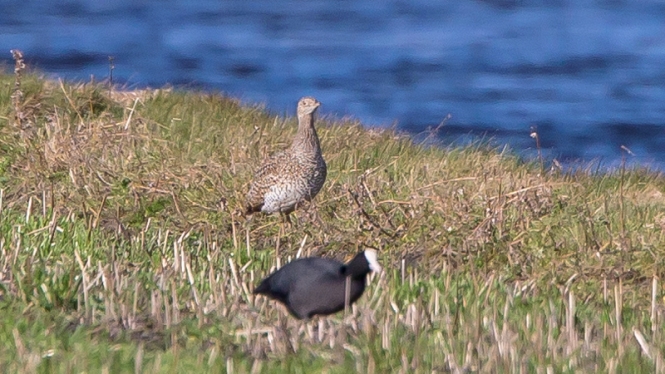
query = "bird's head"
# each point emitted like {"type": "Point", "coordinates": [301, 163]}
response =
{"type": "Point", "coordinates": [374, 266]}
{"type": "Point", "coordinates": [307, 105]}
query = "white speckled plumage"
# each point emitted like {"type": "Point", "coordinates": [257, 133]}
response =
{"type": "Point", "coordinates": [295, 175]}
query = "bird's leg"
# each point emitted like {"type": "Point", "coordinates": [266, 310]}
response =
{"type": "Point", "coordinates": [286, 218]}
{"type": "Point", "coordinates": [247, 229]}
{"type": "Point", "coordinates": [309, 330]}
{"type": "Point", "coordinates": [347, 296]}
{"type": "Point", "coordinates": [347, 304]}
{"type": "Point", "coordinates": [279, 239]}
{"type": "Point", "coordinates": [286, 334]}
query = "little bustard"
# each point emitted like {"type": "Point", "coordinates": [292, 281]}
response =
{"type": "Point", "coordinates": [288, 178]}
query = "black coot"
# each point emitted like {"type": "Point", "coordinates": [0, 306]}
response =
{"type": "Point", "coordinates": [317, 286]}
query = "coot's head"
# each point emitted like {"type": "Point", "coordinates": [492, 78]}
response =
{"type": "Point", "coordinates": [361, 265]}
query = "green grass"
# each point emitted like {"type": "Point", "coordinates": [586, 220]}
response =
{"type": "Point", "coordinates": [123, 246]}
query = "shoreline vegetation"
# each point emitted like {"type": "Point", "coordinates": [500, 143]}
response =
{"type": "Point", "coordinates": [123, 246]}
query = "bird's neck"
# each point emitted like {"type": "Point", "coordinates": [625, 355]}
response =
{"type": "Point", "coordinates": [354, 269]}
{"type": "Point", "coordinates": [306, 138]}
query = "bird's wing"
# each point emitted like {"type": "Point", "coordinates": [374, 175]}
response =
{"type": "Point", "coordinates": [265, 177]}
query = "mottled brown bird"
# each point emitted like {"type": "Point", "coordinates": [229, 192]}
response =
{"type": "Point", "coordinates": [297, 174]}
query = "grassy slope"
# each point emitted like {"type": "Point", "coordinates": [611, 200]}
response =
{"type": "Point", "coordinates": [122, 246]}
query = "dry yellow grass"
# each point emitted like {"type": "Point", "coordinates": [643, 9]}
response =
{"type": "Point", "coordinates": [122, 246]}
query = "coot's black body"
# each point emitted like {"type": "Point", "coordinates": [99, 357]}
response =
{"type": "Point", "coordinates": [317, 286]}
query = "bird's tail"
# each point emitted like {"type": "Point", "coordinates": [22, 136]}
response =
{"type": "Point", "coordinates": [252, 209]}
{"type": "Point", "coordinates": [261, 288]}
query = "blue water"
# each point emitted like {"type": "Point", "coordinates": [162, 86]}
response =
{"type": "Point", "coordinates": [589, 75]}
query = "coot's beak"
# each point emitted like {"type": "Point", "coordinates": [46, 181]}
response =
{"type": "Point", "coordinates": [374, 266]}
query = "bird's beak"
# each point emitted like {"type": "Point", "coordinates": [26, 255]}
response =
{"type": "Point", "coordinates": [376, 268]}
